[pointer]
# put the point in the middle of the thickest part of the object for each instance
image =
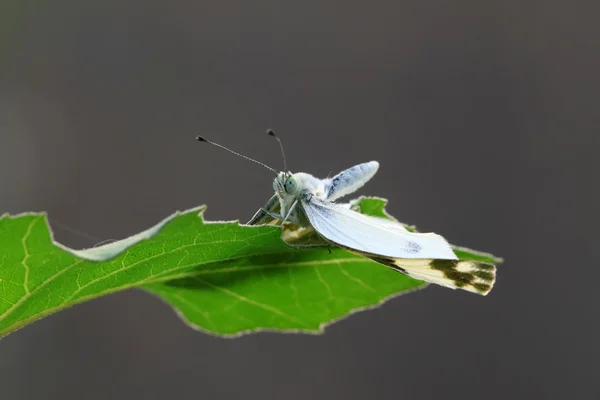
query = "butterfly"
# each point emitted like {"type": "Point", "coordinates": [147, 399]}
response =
{"type": "Point", "coordinates": [308, 203]}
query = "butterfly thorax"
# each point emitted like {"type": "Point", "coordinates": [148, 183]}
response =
{"type": "Point", "coordinates": [291, 188]}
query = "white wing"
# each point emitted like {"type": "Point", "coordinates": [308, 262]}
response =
{"type": "Point", "coordinates": [350, 180]}
{"type": "Point", "coordinates": [377, 236]}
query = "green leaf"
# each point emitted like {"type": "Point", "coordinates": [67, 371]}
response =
{"type": "Point", "coordinates": [223, 278]}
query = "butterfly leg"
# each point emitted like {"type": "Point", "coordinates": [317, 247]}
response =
{"type": "Point", "coordinates": [268, 210]}
{"type": "Point", "coordinates": [271, 213]}
{"type": "Point", "coordinates": [290, 212]}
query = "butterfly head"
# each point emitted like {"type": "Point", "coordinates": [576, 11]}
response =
{"type": "Point", "coordinates": [285, 184]}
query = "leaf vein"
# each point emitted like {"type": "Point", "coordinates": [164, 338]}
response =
{"type": "Point", "coordinates": [258, 304]}
{"type": "Point", "coordinates": [355, 279]}
{"type": "Point", "coordinates": [125, 268]}
{"type": "Point", "coordinates": [26, 254]}
{"type": "Point", "coordinates": [197, 309]}
{"type": "Point", "coordinates": [23, 299]}
{"type": "Point", "coordinates": [324, 282]}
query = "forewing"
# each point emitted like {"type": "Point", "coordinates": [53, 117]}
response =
{"type": "Point", "coordinates": [375, 236]}
{"type": "Point", "coordinates": [423, 256]}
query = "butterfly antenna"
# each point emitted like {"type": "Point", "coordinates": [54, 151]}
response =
{"type": "Point", "coordinates": [201, 139]}
{"type": "Point", "coordinates": [271, 133]}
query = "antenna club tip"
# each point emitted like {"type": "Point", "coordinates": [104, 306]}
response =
{"type": "Point", "coordinates": [200, 139]}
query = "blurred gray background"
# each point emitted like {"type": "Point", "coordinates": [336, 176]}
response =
{"type": "Point", "coordinates": [483, 115]}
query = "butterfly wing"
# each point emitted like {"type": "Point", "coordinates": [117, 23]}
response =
{"type": "Point", "coordinates": [350, 180]}
{"type": "Point", "coordinates": [339, 224]}
{"type": "Point", "coordinates": [423, 256]}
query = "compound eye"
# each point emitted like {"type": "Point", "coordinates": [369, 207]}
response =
{"type": "Point", "coordinates": [290, 185]}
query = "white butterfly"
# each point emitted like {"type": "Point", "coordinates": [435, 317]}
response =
{"type": "Point", "coordinates": [306, 201]}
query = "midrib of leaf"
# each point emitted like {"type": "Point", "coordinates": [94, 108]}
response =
{"type": "Point", "coordinates": [166, 274]}
{"type": "Point", "coordinates": [166, 278]}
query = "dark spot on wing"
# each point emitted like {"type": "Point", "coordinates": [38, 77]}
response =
{"type": "Point", "coordinates": [448, 268]}
{"type": "Point", "coordinates": [344, 178]}
{"type": "Point", "coordinates": [485, 275]}
{"type": "Point", "coordinates": [486, 267]}
{"type": "Point", "coordinates": [388, 262]}
{"type": "Point", "coordinates": [413, 248]}
{"type": "Point", "coordinates": [335, 182]}
{"type": "Point", "coordinates": [482, 287]}
{"type": "Point", "coordinates": [482, 271]}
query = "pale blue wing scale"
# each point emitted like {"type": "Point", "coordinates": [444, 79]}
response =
{"type": "Point", "coordinates": [339, 224]}
{"type": "Point", "coordinates": [350, 180]}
